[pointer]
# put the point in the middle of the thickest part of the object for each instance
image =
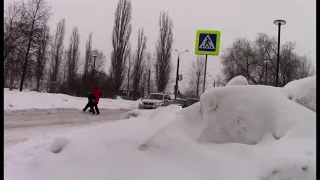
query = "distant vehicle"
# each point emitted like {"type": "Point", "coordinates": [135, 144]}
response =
{"type": "Point", "coordinates": [155, 100]}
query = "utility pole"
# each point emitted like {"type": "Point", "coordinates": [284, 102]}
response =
{"type": "Point", "coordinates": [278, 23]}
{"type": "Point", "coordinates": [149, 74]}
{"type": "Point", "coordinates": [94, 68]}
{"type": "Point", "coordinates": [177, 75]}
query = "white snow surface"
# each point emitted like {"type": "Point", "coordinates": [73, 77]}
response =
{"type": "Point", "coordinates": [238, 80]}
{"type": "Point", "coordinates": [246, 115]}
{"type": "Point", "coordinates": [303, 91]}
{"type": "Point", "coordinates": [175, 143]}
{"type": "Point", "coordinates": [15, 100]}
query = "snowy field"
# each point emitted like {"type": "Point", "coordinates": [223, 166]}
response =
{"type": "Point", "coordinates": [14, 100]}
{"type": "Point", "coordinates": [239, 131]}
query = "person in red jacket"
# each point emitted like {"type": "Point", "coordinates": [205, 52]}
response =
{"type": "Point", "coordinates": [97, 94]}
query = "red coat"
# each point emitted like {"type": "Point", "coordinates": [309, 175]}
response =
{"type": "Point", "coordinates": [96, 93]}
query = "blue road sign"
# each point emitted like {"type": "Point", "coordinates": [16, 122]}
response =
{"type": "Point", "coordinates": [207, 42]}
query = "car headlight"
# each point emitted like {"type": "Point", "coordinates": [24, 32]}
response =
{"type": "Point", "coordinates": [140, 103]}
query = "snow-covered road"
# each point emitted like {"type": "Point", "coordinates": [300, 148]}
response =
{"type": "Point", "coordinates": [24, 124]}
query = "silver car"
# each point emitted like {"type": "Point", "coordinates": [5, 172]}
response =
{"type": "Point", "coordinates": [154, 100]}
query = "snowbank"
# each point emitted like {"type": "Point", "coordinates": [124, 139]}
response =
{"type": "Point", "coordinates": [15, 100]}
{"type": "Point", "coordinates": [238, 81]}
{"type": "Point", "coordinates": [137, 113]}
{"type": "Point", "coordinates": [245, 115]}
{"type": "Point", "coordinates": [303, 91]}
{"type": "Point", "coordinates": [165, 143]}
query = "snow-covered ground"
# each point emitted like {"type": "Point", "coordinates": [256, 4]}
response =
{"type": "Point", "coordinates": [234, 132]}
{"type": "Point", "coordinates": [14, 100]}
{"type": "Point", "coordinates": [30, 115]}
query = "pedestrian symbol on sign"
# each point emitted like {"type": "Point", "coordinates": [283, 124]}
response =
{"type": "Point", "coordinates": [207, 43]}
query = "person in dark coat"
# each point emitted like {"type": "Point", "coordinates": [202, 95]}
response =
{"type": "Point", "coordinates": [97, 94]}
{"type": "Point", "coordinates": [90, 103]}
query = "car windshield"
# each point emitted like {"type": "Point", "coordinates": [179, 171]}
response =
{"type": "Point", "coordinates": [155, 96]}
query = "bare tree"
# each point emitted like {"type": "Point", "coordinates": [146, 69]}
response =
{"type": "Point", "coordinates": [37, 16]}
{"type": "Point", "coordinates": [139, 58]}
{"type": "Point", "coordinates": [86, 77]}
{"type": "Point", "coordinates": [14, 17]}
{"type": "Point", "coordinates": [241, 57]}
{"type": "Point", "coordinates": [196, 73]}
{"type": "Point", "coordinates": [163, 64]}
{"type": "Point", "coordinates": [144, 79]}
{"type": "Point", "coordinates": [148, 69]}
{"type": "Point", "coordinates": [120, 42]}
{"type": "Point", "coordinates": [129, 71]}
{"type": "Point", "coordinates": [73, 58]}
{"type": "Point", "coordinates": [88, 56]}
{"type": "Point", "coordinates": [41, 56]}
{"type": "Point", "coordinates": [248, 59]}
{"type": "Point", "coordinates": [57, 51]}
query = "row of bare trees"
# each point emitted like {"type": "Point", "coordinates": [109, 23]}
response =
{"type": "Point", "coordinates": [248, 59]}
{"type": "Point", "coordinates": [36, 59]}
{"type": "Point", "coordinates": [45, 63]}
{"type": "Point", "coordinates": [26, 39]}
{"type": "Point", "coordinates": [33, 58]}
{"type": "Point", "coordinates": [137, 67]}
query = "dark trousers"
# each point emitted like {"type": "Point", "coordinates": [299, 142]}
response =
{"type": "Point", "coordinates": [96, 108]}
{"type": "Point", "coordinates": [89, 104]}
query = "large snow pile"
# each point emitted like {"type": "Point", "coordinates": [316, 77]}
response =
{"type": "Point", "coordinates": [303, 91]}
{"type": "Point", "coordinates": [245, 115]}
{"type": "Point", "coordinates": [165, 143]}
{"type": "Point", "coordinates": [15, 100]}
{"type": "Point", "coordinates": [238, 80]}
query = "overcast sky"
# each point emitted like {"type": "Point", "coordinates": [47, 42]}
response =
{"type": "Point", "coordinates": [234, 18]}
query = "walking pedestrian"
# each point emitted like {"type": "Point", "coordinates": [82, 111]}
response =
{"type": "Point", "coordinates": [97, 94]}
{"type": "Point", "coordinates": [90, 103]}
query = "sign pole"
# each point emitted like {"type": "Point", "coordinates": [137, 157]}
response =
{"type": "Point", "coordinates": [205, 74]}
{"type": "Point", "coordinates": [207, 43]}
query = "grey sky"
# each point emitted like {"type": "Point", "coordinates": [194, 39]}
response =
{"type": "Point", "coordinates": [234, 18]}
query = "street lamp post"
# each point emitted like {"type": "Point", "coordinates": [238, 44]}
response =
{"type": "Point", "coordinates": [278, 23]}
{"type": "Point", "coordinates": [214, 80]}
{"type": "Point", "coordinates": [94, 68]}
{"type": "Point", "coordinates": [177, 75]}
{"type": "Point", "coordinates": [266, 64]}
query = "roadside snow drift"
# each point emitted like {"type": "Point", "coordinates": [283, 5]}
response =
{"type": "Point", "coordinates": [15, 100]}
{"type": "Point", "coordinates": [238, 80]}
{"type": "Point", "coordinates": [137, 113]}
{"type": "Point", "coordinates": [303, 91]}
{"type": "Point", "coordinates": [165, 144]}
{"type": "Point", "coordinates": [245, 114]}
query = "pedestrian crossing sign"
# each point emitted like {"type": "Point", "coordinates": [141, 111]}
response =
{"type": "Point", "coordinates": [207, 42]}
